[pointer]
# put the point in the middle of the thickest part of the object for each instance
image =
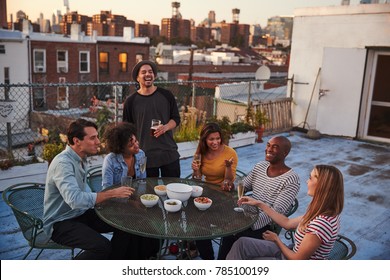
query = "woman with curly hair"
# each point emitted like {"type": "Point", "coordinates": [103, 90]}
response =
{"type": "Point", "coordinates": [124, 154]}
{"type": "Point", "coordinates": [315, 232]}
{"type": "Point", "coordinates": [123, 160]}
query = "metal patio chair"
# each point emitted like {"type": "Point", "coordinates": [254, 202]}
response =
{"type": "Point", "coordinates": [26, 202]}
{"type": "Point", "coordinates": [343, 249]}
{"type": "Point", "coordinates": [94, 178]}
{"type": "Point", "coordinates": [277, 228]}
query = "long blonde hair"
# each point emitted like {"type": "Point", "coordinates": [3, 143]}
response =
{"type": "Point", "coordinates": [328, 197]}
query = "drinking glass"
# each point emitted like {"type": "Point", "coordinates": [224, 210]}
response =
{"type": "Point", "coordinates": [240, 193]}
{"type": "Point", "coordinates": [154, 125]}
{"type": "Point", "coordinates": [142, 166]}
{"type": "Point", "coordinates": [198, 160]}
{"type": "Point", "coordinates": [127, 181]}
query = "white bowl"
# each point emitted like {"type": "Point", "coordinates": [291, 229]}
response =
{"type": "Point", "coordinates": [160, 190]}
{"type": "Point", "coordinates": [149, 200]}
{"type": "Point", "coordinates": [172, 205]}
{"type": "Point", "coordinates": [196, 191]}
{"type": "Point", "coordinates": [179, 191]}
{"type": "Point", "coordinates": [202, 203]}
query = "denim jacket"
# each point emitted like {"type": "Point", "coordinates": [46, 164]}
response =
{"type": "Point", "coordinates": [115, 167]}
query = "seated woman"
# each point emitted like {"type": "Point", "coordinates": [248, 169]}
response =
{"type": "Point", "coordinates": [315, 232]}
{"type": "Point", "coordinates": [123, 160]}
{"type": "Point", "coordinates": [124, 154]}
{"type": "Point", "coordinates": [218, 164]}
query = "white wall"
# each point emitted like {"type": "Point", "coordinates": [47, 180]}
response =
{"type": "Point", "coordinates": [16, 59]}
{"type": "Point", "coordinates": [315, 29]}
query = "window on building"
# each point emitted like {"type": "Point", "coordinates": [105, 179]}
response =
{"type": "Point", "coordinates": [103, 62]}
{"type": "Point", "coordinates": [2, 49]}
{"type": "Point", "coordinates": [62, 95]}
{"type": "Point", "coordinates": [139, 57]}
{"type": "Point", "coordinates": [123, 62]}
{"type": "Point", "coordinates": [84, 61]}
{"type": "Point", "coordinates": [39, 100]}
{"type": "Point", "coordinates": [62, 61]}
{"type": "Point", "coordinates": [39, 61]}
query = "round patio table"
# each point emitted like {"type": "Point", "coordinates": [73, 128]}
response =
{"type": "Point", "coordinates": [130, 215]}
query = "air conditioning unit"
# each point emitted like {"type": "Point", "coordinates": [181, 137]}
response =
{"type": "Point", "coordinates": [39, 69]}
{"type": "Point", "coordinates": [62, 70]}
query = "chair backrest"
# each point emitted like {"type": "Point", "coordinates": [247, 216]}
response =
{"type": "Point", "coordinates": [293, 208]}
{"type": "Point", "coordinates": [343, 249]}
{"type": "Point", "coordinates": [26, 202]}
{"type": "Point", "coordinates": [94, 178]}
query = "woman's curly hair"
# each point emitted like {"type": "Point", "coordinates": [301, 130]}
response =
{"type": "Point", "coordinates": [117, 136]}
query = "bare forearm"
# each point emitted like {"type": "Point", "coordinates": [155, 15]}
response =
{"type": "Point", "coordinates": [169, 125]}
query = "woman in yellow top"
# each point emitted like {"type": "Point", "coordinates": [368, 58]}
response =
{"type": "Point", "coordinates": [218, 161]}
{"type": "Point", "coordinates": [218, 164]}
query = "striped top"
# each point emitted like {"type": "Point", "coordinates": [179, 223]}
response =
{"type": "Point", "coordinates": [326, 228]}
{"type": "Point", "coordinates": [277, 192]}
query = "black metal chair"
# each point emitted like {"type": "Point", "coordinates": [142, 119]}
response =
{"type": "Point", "coordinates": [343, 249]}
{"type": "Point", "coordinates": [94, 178]}
{"type": "Point", "coordinates": [26, 202]}
{"type": "Point", "coordinates": [277, 228]}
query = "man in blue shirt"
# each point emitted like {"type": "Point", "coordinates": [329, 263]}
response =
{"type": "Point", "coordinates": [69, 218]}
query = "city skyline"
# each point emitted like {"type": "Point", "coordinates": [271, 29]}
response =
{"type": "Point", "coordinates": [251, 11]}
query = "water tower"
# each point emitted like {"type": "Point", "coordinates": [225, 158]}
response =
{"type": "Point", "coordinates": [236, 15]}
{"type": "Point", "coordinates": [175, 10]}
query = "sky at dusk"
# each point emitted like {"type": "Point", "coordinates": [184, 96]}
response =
{"type": "Point", "coordinates": [251, 11]}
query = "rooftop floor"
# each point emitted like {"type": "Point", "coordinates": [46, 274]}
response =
{"type": "Point", "coordinates": [365, 166]}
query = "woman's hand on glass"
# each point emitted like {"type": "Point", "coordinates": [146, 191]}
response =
{"type": "Point", "coordinates": [227, 185]}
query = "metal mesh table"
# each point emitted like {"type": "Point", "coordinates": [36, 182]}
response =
{"type": "Point", "coordinates": [130, 215]}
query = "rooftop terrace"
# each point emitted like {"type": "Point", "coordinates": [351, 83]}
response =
{"type": "Point", "coordinates": [366, 169]}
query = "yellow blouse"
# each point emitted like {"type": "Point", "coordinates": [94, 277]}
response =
{"type": "Point", "coordinates": [214, 170]}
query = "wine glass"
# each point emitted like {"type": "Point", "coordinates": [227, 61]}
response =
{"type": "Point", "coordinates": [240, 193]}
{"type": "Point", "coordinates": [142, 166]}
{"type": "Point", "coordinates": [198, 160]}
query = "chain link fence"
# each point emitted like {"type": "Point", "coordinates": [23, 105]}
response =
{"type": "Point", "coordinates": [33, 114]}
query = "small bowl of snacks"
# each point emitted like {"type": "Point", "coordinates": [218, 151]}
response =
{"type": "Point", "coordinates": [202, 203]}
{"type": "Point", "coordinates": [196, 191]}
{"type": "Point", "coordinates": [149, 200]}
{"type": "Point", "coordinates": [172, 205]}
{"type": "Point", "coordinates": [160, 190]}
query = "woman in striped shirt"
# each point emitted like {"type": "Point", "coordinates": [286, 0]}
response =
{"type": "Point", "coordinates": [316, 230]}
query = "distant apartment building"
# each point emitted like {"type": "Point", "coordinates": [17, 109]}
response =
{"type": "Point", "coordinates": [175, 28]}
{"type": "Point", "coordinates": [200, 33]}
{"type": "Point", "coordinates": [71, 18]}
{"type": "Point", "coordinates": [147, 30]}
{"type": "Point", "coordinates": [108, 24]}
{"type": "Point", "coordinates": [76, 58]}
{"type": "Point", "coordinates": [280, 27]}
{"type": "Point", "coordinates": [235, 34]}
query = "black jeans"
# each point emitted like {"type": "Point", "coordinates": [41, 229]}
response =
{"type": "Point", "coordinates": [227, 241]}
{"type": "Point", "coordinates": [168, 170]}
{"type": "Point", "coordinates": [84, 232]}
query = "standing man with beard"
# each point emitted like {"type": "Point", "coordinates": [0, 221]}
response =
{"type": "Point", "coordinates": [152, 102]}
{"type": "Point", "coordinates": [273, 183]}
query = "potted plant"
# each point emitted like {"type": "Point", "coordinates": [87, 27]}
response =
{"type": "Point", "coordinates": [259, 119]}
{"type": "Point", "coordinates": [50, 150]}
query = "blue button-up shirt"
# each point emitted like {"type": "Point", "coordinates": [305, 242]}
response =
{"type": "Point", "coordinates": [67, 194]}
{"type": "Point", "coordinates": [115, 167]}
